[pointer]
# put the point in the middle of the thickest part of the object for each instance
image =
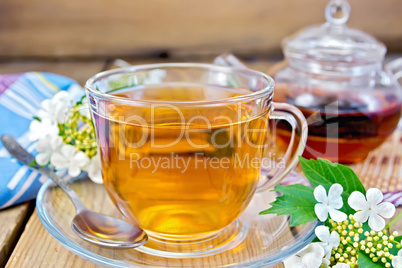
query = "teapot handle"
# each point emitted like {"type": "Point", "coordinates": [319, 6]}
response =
{"type": "Point", "coordinates": [395, 67]}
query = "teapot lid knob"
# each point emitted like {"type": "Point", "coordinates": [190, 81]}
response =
{"type": "Point", "coordinates": [337, 12]}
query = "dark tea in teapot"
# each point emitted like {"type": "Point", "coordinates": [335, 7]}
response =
{"type": "Point", "coordinates": [344, 129]}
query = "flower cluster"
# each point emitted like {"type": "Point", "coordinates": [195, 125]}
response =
{"type": "Point", "coordinates": [64, 132]}
{"type": "Point", "coordinates": [343, 239]}
{"type": "Point", "coordinates": [65, 136]}
{"type": "Point", "coordinates": [368, 207]}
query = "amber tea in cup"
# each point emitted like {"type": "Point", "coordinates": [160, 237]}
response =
{"type": "Point", "coordinates": [182, 186]}
{"type": "Point", "coordinates": [182, 145]}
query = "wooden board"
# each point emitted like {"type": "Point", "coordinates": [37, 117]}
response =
{"type": "Point", "coordinates": [38, 249]}
{"type": "Point", "coordinates": [75, 28]}
{"type": "Point", "coordinates": [260, 64]}
{"type": "Point", "coordinates": [12, 222]}
{"type": "Point", "coordinates": [79, 71]}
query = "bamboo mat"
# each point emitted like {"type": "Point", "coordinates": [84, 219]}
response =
{"type": "Point", "coordinates": [382, 169]}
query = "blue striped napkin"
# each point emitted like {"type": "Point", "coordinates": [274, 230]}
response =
{"type": "Point", "coordinates": [20, 99]}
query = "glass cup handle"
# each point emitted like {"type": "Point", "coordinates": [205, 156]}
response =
{"type": "Point", "coordinates": [289, 113]}
{"type": "Point", "coordinates": [280, 111]}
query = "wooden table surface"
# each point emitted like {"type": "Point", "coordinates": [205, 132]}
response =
{"type": "Point", "coordinates": [24, 242]}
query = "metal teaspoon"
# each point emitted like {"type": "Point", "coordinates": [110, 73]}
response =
{"type": "Point", "coordinates": [91, 226]}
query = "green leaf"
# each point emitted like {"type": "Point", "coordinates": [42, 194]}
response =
{"type": "Point", "coordinates": [366, 262]}
{"type": "Point", "coordinates": [297, 200]}
{"type": "Point", "coordinates": [323, 172]}
{"type": "Point", "coordinates": [398, 238]}
{"type": "Point", "coordinates": [36, 118]}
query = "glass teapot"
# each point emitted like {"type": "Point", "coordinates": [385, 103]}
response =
{"type": "Point", "coordinates": [334, 76]}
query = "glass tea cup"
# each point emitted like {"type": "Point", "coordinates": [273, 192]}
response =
{"type": "Point", "coordinates": [182, 147]}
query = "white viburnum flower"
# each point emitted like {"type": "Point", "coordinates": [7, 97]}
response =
{"type": "Point", "coordinates": [397, 260]}
{"type": "Point", "coordinates": [329, 204]}
{"type": "Point", "coordinates": [309, 257]}
{"type": "Point", "coordinates": [84, 108]}
{"type": "Point", "coordinates": [94, 169]}
{"type": "Point", "coordinates": [55, 109]}
{"type": "Point", "coordinates": [326, 260]}
{"type": "Point", "coordinates": [63, 96]}
{"type": "Point", "coordinates": [328, 240]}
{"type": "Point", "coordinates": [46, 147]}
{"type": "Point", "coordinates": [342, 265]}
{"type": "Point", "coordinates": [369, 207]}
{"type": "Point", "coordinates": [70, 158]}
{"type": "Point", "coordinates": [42, 129]}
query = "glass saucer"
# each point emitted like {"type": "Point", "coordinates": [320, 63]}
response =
{"type": "Point", "coordinates": [268, 241]}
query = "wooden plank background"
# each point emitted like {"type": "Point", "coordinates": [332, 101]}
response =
{"type": "Point", "coordinates": [97, 28]}
{"type": "Point", "coordinates": [12, 223]}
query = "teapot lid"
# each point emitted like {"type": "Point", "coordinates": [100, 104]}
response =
{"type": "Point", "coordinates": [333, 47]}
